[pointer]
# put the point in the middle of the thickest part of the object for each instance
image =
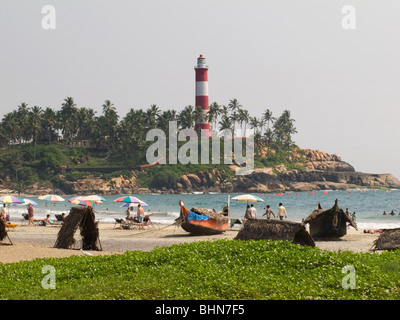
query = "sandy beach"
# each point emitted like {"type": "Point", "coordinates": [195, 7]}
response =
{"type": "Point", "coordinates": [37, 242]}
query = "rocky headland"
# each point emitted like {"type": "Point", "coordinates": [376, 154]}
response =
{"type": "Point", "coordinates": [317, 170]}
{"type": "Point", "coordinates": [321, 171]}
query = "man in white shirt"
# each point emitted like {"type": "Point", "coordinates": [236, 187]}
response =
{"type": "Point", "coordinates": [282, 212]}
{"type": "Point", "coordinates": [253, 212]}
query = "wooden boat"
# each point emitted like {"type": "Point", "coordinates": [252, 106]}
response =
{"type": "Point", "coordinates": [331, 223]}
{"type": "Point", "coordinates": [200, 221]}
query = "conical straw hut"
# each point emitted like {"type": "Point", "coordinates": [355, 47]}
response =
{"type": "Point", "coordinates": [389, 239]}
{"type": "Point", "coordinates": [84, 219]}
{"type": "Point", "coordinates": [258, 229]}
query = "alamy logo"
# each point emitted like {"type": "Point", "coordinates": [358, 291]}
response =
{"type": "Point", "coordinates": [49, 20]}
{"type": "Point", "coordinates": [349, 281]}
{"type": "Point", "coordinates": [49, 280]}
{"type": "Point", "coordinates": [349, 18]}
{"type": "Point", "coordinates": [189, 151]}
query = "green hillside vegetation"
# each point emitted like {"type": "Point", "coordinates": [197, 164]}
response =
{"type": "Point", "coordinates": [36, 142]}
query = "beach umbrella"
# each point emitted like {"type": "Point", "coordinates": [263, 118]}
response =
{"type": "Point", "coordinates": [93, 198]}
{"type": "Point", "coordinates": [51, 197]}
{"type": "Point", "coordinates": [129, 199]}
{"type": "Point", "coordinates": [127, 204]}
{"type": "Point", "coordinates": [248, 198]}
{"type": "Point", "coordinates": [27, 202]}
{"type": "Point", "coordinates": [74, 198]}
{"type": "Point", "coordinates": [85, 203]}
{"type": "Point", "coordinates": [11, 199]}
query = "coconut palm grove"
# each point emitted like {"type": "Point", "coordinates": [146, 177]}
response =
{"type": "Point", "coordinates": [37, 141]}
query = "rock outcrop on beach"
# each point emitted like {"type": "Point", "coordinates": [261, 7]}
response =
{"type": "Point", "coordinates": [98, 185]}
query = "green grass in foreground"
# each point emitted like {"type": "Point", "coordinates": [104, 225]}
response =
{"type": "Point", "coordinates": [224, 269]}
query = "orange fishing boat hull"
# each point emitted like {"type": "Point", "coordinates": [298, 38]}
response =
{"type": "Point", "coordinates": [208, 227]}
{"type": "Point", "coordinates": [202, 227]}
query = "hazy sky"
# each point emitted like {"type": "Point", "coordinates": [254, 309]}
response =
{"type": "Point", "coordinates": [341, 85]}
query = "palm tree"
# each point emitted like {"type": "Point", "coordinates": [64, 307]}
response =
{"type": "Point", "coordinates": [244, 117]}
{"type": "Point", "coordinates": [234, 117]}
{"type": "Point", "coordinates": [234, 105]}
{"type": "Point", "coordinates": [35, 125]}
{"type": "Point", "coordinates": [226, 123]}
{"type": "Point", "coordinates": [164, 119]}
{"type": "Point", "coordinates": [88, 128]}
{"type": "Point", "coordinates": [199, 115]}
{"type": "Point", "coordinates": [224, 111]}
{"type": "Point", "coordinates": [213, 114]}
{"type": "Point", "coordinates": [109, 123]}
{"type": "Point", "coordinates": [136, 119]}
{"type": "Point", "coordinates": [284, 129]}
{"type": "Point", "coordinates": [69, 118]}
{"type": "Point", "coordinates": [255, 125]}
{"type": "Point", "coordinates": [152, 114]}
{"type": "Point", "coordinates": [11, 126]}
{"type": "Point", "coordinates": [186, 119]}
{"type": "Point", "coordinates": [269, 135]}
{"type": "Point", "coordinates": [49, 125]}
{"type": "Point", "coordinates": [23, 120]}
{"type": "Point", "coordinates": [268, 118]}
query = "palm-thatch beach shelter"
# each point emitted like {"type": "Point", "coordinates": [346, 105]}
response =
{"type": "Point", "coordinates": [84, 218]}
{"type": "Point", "coordinates": [3, 232]}
{"type": "Point", "coordinates": [389, 239]}
{"type": "Point", "coordinates": [258, 229]}
{"type": "Point", "coordinates": [331, 223]}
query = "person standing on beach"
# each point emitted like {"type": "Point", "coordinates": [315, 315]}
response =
{"type": "Point", "coordinates": [282, 212]}
{"type": "Point", "coordinates": [30, 215]}
{"type": "Point", "coordinates": [268, 212]}
{"type": "Point", "coordinates": [140, 214]}
{"type": "Point", "coordinates": [247, 214]}
{"type": "Point", "coordinates": [253, 212]}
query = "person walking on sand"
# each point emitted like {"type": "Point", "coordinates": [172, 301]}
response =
{"type": "Point", "coordinates": [30, 215]}
{"type": "Point", "coordinates": [281, 211]}
{"type": "Point", "coordinates": [268, 212]}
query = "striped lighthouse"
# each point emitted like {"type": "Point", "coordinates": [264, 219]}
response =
{"type": "Point", "coordinates": [202, 94]}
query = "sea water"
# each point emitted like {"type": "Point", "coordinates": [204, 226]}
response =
{"type": "Point", "coordinates": [367, 204]}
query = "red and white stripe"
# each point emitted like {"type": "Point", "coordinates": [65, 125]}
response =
{"type": "Point", "coordinates": [202, 93]}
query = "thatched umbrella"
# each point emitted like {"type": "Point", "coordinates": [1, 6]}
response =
{"type": "Point", "coordinates": [329, 223]}
{"type": "Point", "coordinates": [389, 239]}
{"type": "Point", "coordinates": [84, 219]}
{"type": "Point", "coordinates": [258, 229]}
